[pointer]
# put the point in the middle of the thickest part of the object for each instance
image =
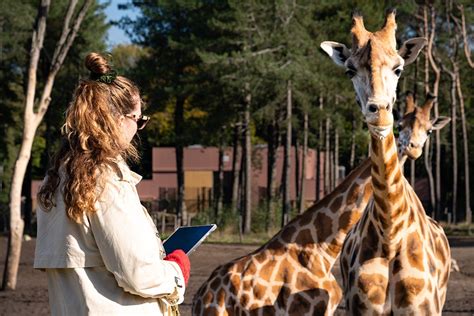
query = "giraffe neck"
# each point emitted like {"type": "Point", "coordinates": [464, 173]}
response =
{"type": "Point", "coordinates": [326, 224]}
{"type": "Point", "coordinates": [390, 208]}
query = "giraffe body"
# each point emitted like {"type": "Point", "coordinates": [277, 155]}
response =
{"type": "Point", "coordinates": [291, 274]}
{"type": "Point", "coordinates": [396, 260]}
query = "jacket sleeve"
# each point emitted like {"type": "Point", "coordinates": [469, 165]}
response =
{"type": "Point", "coordinates": [130, 247]}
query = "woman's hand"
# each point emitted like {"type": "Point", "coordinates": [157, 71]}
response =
{"type": "Point", "coordinates": [182, 260]}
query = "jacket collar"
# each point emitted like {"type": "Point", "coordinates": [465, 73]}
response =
{"type": "Point", "coordinates": [126, 174]}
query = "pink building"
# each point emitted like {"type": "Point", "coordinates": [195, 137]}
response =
{"type": "Point", "coordinates": [201, 172]}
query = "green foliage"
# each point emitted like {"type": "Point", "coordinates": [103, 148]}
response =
{"type": "Point", "coordinates": [212, 54]}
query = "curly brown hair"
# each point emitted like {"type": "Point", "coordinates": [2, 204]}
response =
{"type": "Point", "coordinates": [91, 140]}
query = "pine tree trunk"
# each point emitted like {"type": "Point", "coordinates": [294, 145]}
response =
{"type": "Point", "coordinates": [287, 160]}
{"type": "Point", "coordinates": [427, 157]}
{"type": "Point", "coordinates": [297, 166]}
{"type": "Point", "coordinates": [178, 128]}
{"type": "Point", "coordinates": [454, 146]}
{"type": "Point", "coordinates": [219, 192]}
{"type": "Point", "coordinates": [353, 145]}
{"type": "Point", "coordinates": [327, 159]}
{"type": "Point", "coordinates": [271, 171]}
{"type": "Point", "coordinates": [465, 146]}
{"type": "Point", "coordinates": [248, 165]}
{"type": "Point", "coordinates": [236, 167]}
{"type": "Point", "coordinates": [336, 158]}
{"type": "Point", "coordinates": [320, 145]}
{"type": "Point", "coordinates": [435, 90]}
{"type": "Point", "coordinates": [415, 89]}
{"type": "Point", "coordinates": [302, 200]}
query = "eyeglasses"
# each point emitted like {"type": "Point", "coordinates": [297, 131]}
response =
{"type": "Point", "coordinates": [141, 120]}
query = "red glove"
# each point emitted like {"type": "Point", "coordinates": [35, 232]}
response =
{"type": "Point", "coordinates": [182, 260]}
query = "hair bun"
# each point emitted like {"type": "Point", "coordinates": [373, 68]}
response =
{"type": "Point", "coordinates": [97, 64]}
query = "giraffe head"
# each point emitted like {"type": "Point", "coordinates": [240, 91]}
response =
{"type": "Point", "coordinates": [374, 65]}
{"type": "Point", "coordinates": [416, 125]}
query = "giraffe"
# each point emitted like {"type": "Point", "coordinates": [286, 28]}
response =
{"type": "Point", "coordinates": [395, 260]}
{"type": "Point", "coordinates": [291, 274]}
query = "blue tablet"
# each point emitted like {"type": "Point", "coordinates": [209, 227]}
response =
{"type": "Point", "coordinates": [187, 238]}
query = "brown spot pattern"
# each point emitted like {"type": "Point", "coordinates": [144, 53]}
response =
{"type": "Point", "coordinates": [379, 186]}
{"type": "Point", "coordinates": [304, 237]}
{"type": "Point", "coordinates": [336, 204]}
{"type": "Point", "coordinates": [406, 290]}
{"type": "Point", "coordinates": [324, 225]}
{"type": "Point", "coordinates": [390, 166]}
{"type": "Point", "coordinates": [415, 251]}
{"type": "Point", "coordinates": [353, 194]}
{"type": "Point", "coordinates": [259, 291]}
{"type": "Point", "coordinates": [347, 220]}
{"type": "Point", "coordinates": [425, 308]}
{"type": "Point", "coordinates": [370, 243]}
{"type": "Point", "coordinates": [374, 286]}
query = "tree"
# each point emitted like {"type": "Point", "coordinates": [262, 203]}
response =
{"type": "Point", "coordinates": [32, 119]}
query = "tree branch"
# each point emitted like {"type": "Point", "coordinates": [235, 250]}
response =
{"type": "Point", "coordinates": [467, 48]}
{"type": "Point", "coordinates": [36, 46]}
{"type": "Point", "coordinates": [62, 48]}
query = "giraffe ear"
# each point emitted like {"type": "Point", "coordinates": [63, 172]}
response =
{"type": "Point", "coordinates": [411, 48]}
{"type": "Point", "coordinates": [338, 52]}
{"type": "Point", "coordinates": [440, 122]}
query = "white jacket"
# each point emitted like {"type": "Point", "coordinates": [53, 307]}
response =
{"type": "Point", "coordinates": [111, 264]}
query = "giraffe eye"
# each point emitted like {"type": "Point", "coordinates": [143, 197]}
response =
{"type": "Point", "coordinates": [398, 72]}
{"type": "Point", "coordinates": [429, 132]}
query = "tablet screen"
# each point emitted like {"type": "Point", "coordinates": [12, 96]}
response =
{"type": "Point", "coordinates": [187, 238]}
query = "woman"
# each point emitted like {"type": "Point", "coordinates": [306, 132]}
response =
{"type": "Point", "coordinates": [98, 245]}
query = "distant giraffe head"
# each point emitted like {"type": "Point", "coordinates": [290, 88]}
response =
{"type": "Point", "coordinates": [416, 125]}
{"type": "Point", "coordinates": [374, 65]}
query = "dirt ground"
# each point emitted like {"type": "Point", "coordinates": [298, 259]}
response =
{"type": "Point", "coordinates": [31, 295]}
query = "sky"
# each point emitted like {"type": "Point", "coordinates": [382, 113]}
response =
{"type": "Point", "coordinates": [116, 35]}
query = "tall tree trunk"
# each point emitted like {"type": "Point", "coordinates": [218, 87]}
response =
{"type": "Point", "coordinates": [435, 90]}
{"type": "Point", "coordinates": [287, 160]}
{"type": "Point", "coordinates": [318, 158]}
{"type": "Point", "coordinates": [241, 187]}
{"type": "Point", "coordinates": [336, 158]}
{"type": "Point", "coordinates": [353, 144]}
{"type": "Point", "coordinates": [427, 157]}
{"type": "Point", "coordinates": [271, 171]}
{"type": "Point", "coordinates": [415, 94]}
{"type": "Point", "coordinates": [219, 190]}
{"type": "Point", "coordinates": [454, 145]}
{"type": "Point", "coordinates": [302, 200]}
{"type": "Point", "coordinates": [236, 166]}
{"type": "Point", "coordinates": [297, 166]}
{"type": "Point", "coordinates": [248, 164]}
{"type": "Point", "coordinates": [327, 159]}
{"type": "Point", "coordinates": [465, 146]}
{"type": "Point", "coordinates": [179, 149]}
{"type": "Point", "coordinates": [32, 121]}
{"type": "Point", "coordinates": [461, 28]}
